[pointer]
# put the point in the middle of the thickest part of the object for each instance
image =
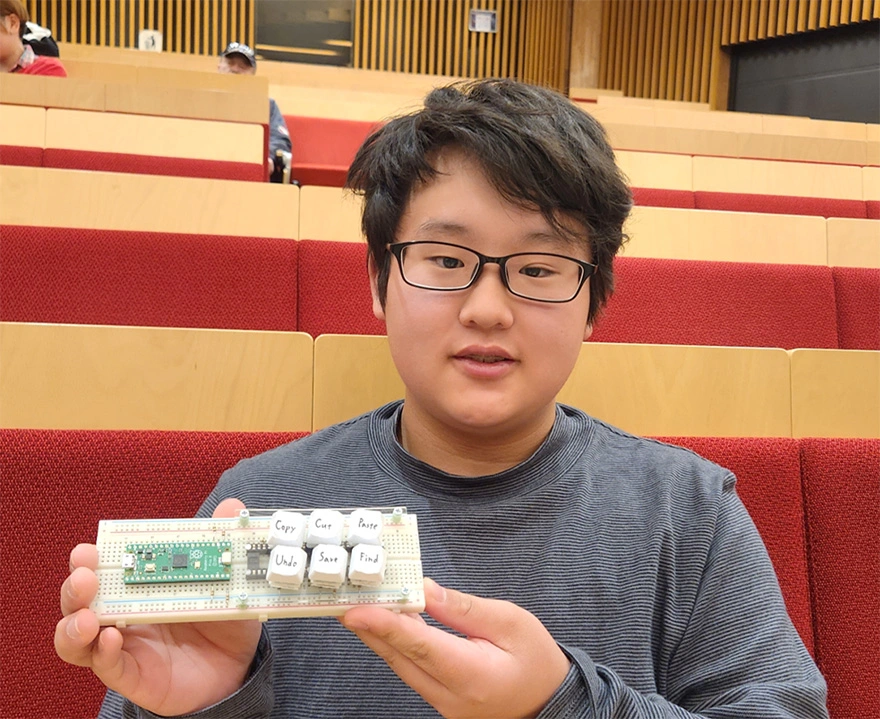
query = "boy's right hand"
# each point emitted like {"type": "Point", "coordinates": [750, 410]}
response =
{"type": "Point", "coordinates": [168, 669]}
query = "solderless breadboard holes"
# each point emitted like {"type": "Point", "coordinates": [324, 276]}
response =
{"type": "Point", "coordinates": [186, 551]}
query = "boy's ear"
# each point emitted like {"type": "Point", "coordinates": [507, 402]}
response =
{"type": "Point", "coordinates": [378, 309]}
{"type": "Point", "coordinates": [588, 331]}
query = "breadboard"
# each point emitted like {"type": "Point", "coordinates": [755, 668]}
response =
{"type": "Point", "coordinates": [242, 596]}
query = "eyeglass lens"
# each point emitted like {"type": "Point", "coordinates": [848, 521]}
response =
{"type": "Point", "coordinates": [449, 267]}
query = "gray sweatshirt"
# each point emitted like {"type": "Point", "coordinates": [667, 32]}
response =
{"type": "Point", "coordinates": [638, 557]}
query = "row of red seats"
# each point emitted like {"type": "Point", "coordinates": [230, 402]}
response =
{"type": "Point", "coordinates": [67, 159]}
{"type": "Point", "coordinates": [325, 147]}
{"type": "Point", "coordinates": [816, 503]}
{"type": "Point", "coordinates": [78, 276]}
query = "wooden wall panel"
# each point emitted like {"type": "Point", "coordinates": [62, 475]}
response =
{"type": "Point", "coordinates": [200, 27]}
{"type": "Point", "coordinates": [532, 41]}
{"type": "Point", "coordinates": [672, 49]}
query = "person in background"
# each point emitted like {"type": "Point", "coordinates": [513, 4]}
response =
{"type": "Point", "coordinates": [41, 40]}
{"type": "Point", "coordinates": [239, 59]}
{"type": "Point", "coordinates": [16, 55]}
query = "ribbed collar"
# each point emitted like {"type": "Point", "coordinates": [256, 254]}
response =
{"type": "Point", "coordinates": [569, 437]}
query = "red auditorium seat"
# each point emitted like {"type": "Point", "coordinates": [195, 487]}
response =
{"type": "Point", "coordinates": [779, 204]}
{"type": "Point", "coordinates": [56, 486]}
{"type": "Point", "coordinates": [152, 165]}
{"type": "Point", "coordinates": [113, 277]}
{"type": "Point", "coordinates": [769, 484]}
{"type": "Point", "coordinates": [656, 301]}
{"type": "Point", "coordinates": [323, 148]}
{"type": "Point", "coordinates": [841, 480]}
{"type": "Point", "coordinates": [654, 197]}
{"type": "Point", "coordinates": [18, 155]}
{"type": "Point", "coordinates": [720, 303]}
{"type": "Point", "coordinates": [857, 291]}
{"type": "Point", "coordinates": [334, 291]}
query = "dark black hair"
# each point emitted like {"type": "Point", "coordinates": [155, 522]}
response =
{"type": "Point", "coordinates": [539, 150]}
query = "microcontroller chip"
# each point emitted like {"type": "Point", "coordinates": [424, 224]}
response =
{"type": "Point", "coordinates": [257, 560]}
{"type": "Point", "coordinates": [177, 562]}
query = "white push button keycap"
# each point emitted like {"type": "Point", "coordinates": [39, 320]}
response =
{"type": "Point", "coordinates": [328, 565]}
{"type": "Point", "coordinates": [288, 528]}
{"type": "Point", "coordinates": [287, 567]}
{"type": "Point", "coordinates": [325, 527]}
{"type": "Point", "coordinates": [367, 568]}
{"type": "Point", "coordinates": [364, 527]}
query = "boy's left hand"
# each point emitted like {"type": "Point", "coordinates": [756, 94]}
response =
{"type": "Point", "coordinates": [508, 666]}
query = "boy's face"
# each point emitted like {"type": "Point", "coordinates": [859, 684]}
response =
{"type": "Point", "coordinates": [480, 360]}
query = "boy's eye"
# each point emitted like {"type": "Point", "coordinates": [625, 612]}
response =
{"type": "Point", "coordinates": [447, 263]}
{"type": "Point", "coordinates": [536, 272]}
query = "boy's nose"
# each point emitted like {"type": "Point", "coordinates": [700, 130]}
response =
{"type": "Point", "coordinates": [487, 302]}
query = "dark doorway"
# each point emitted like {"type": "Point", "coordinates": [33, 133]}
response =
{"type": "Point", "coordinates": [829, 74]}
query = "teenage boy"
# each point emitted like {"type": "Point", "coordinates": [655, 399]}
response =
{"type": "Point", "coordinates": [595, 574]}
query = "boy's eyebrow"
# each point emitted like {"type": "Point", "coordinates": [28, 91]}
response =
{"type": "Point", "coordinates": [442, 227]}
{"type": "Point", "coordinates": [447, 227]}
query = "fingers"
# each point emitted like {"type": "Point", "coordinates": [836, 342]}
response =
{"type": "Point", "coordinates": [84, 555]}
{"type": "Point", "coordinates": [394, 636]}
{"type": "Point", "coordinates": [108, 661]}
{"type": "Point", "coordinates": [410, 672]}
{"type": "Point", "coordinates": [228, 508]}
{"type": "Point", "coordinates": [78, 590]}
{"type": "Point", "coordinates": [476, 617]}
{"type": "Point", "coordinates": [74, 636]}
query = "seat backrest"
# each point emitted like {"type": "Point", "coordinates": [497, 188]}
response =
{"type": "Point", "coordinates": [24, 135]}
{"type": "Point", "coordinates": [720, 303]}
{"type": "Point", "coordinates": [138, 143]}
{"type": "Point", "coordinates": [835, 393]}
{"type": "Point", "coordinates": [857, 295]}
{"type": "Point", "coordinates": [89, 377]}
{"type": "Point", "coordinates": [334, 289]}
{"type": "Point", "coordinates": [56, 486]}
{"type": "Point", "coordinates": [113, 277]}
{"type": "Point", "coordinates": [769, 484]}
{"type": "Point", "coordinates": [794, 188]}
{"type": "Point", "coordinates": [323, 148]}
{"type": "Point", "coordinates": [841, 479]}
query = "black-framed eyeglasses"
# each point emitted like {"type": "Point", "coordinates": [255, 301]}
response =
{"type": "Point", "coordinates": [443, 266]}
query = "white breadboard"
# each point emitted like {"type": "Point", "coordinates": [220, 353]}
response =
{"type": "Point", "coordinates": [154, 599]}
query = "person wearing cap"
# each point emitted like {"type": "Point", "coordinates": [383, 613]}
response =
{"type": "Point", "coordinates": [239, 59]}
{"type": "Point", "coordinates": [16, 55]}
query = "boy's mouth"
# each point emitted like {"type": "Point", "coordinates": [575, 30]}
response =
{"type": "Point", "coordinates": [486, 359]}
{"type": "Point", "coordinates": [484, 355]}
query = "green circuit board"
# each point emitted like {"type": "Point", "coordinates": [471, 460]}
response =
{"type": "Point", "coordinates": [161, 562]}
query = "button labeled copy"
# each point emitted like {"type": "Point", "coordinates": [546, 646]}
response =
{"type": "Point", "coordinates": [288, 528]}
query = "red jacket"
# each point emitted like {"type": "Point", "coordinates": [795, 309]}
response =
{"type": "Point", "coordinates": [43, 65]}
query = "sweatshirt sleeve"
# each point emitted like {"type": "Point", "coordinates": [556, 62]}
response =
{"type": "Point", "coordinates": [738, 658]}
{"type": "Point", "coordinates": [254, 700]}
{"type": "Point", "coordinates": [279, 136]}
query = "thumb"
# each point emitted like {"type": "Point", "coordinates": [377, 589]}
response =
{"type": "Point", "coordinates": [228, 508]}
{"type": "Point", "coordinates": [475, 617]}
